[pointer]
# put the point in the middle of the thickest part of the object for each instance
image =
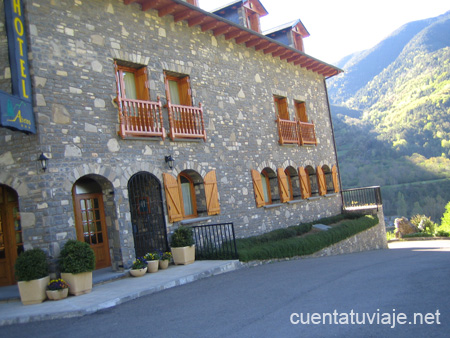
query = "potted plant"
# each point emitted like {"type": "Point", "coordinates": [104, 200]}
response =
{"type": "Point", "coordinates": [139, 267]}
{"type": "Point", "coordinates": [152, 259]}
{"type": "Point", "coordinates": [31, 270]}
{"type": "Point", "coordinates": [76, 262]}
{"type": "Point", "coordinates": [164, 260]}
{"type": "Point", "coordinates": [182, 246]}
{"type": "Point", "coordinates": [57, 289]}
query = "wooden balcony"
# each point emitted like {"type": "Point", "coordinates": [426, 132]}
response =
{"type": "Point", "coordinates": [140, 118]}
{"type": "Point", "coordinates": [288, 131]}
{"type": "Point", "coordinates": [307, 133]}
{"type": "Point", "coordinates": [186, 122]}
{"type": "Point", "coordinates": [296, 132]}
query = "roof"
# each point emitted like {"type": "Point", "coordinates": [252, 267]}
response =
{"type": "Point", "coordinates": [289, 25]}
{"type": "Point", "coordinates": [261, 10]}
{"type": "Point", "coordinates": [195, 16]}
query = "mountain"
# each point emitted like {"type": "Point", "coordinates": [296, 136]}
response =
{"type": "Point", "coordinates": [391, 114]}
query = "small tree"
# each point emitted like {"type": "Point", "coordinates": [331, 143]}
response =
{"type": "Point", "coordinates": [445, 220]}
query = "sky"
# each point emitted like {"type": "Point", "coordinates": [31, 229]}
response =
{"type": "Point", "coordinates": [338, 28]}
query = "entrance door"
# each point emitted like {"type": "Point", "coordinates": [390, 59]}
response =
{"type": "Point", "coordinates": [11, 244]}
{"type": "Point", "coordinates": [91, 225]}
{"type": "Point", "coordinates": [147, 214]}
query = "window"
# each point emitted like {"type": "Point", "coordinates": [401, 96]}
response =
{"type": "Point", "coordinates": [313, 185]}
{"type": "Point", "coordinates": [178, 89]}
{"type": "Point", "coordinates": [305, 182]}
{"type": "Point", "coordinates": [330, 179]}
{"type": "Point", "coordinates": [253, 11]}
{"type": "Point", "coordinates": [293, 183]}
{"type": "Point", "coordinates": [281, 107]}
{"type": "Point", "coordinates": [190, 195]}
{"type": "Point", "coordinates": [132, 82]}
{"type": "Point", "coordinates": [266, 187]}
{"type": "Point", "coordinates": [300, 110]}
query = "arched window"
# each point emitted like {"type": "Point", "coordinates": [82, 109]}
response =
{"type": "Point", "coordinates": [293, 183]}
{"type": "Point", "coordinates": [266, 187]}
{"type": "Point", "coordinates": [312, 180]}
{"type": "Point", "coordinates": [328, 179]}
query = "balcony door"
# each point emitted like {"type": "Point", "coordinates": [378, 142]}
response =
{"type": "Point", "coordinates": [11, 244]}
{"type": "Point", "coordinates": [90, 219]}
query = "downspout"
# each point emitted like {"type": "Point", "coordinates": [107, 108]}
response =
{"type": "Point", "coordinates": [334, 141]}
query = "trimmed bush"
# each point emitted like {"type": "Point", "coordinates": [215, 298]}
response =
{"type": "Point", "coordinates": [31, 264]}
{"type": "Point", "coordinates": [183, 236]}
{"type": "Point", "coordinates": [76, 257]}
{"type": "Point", "coordinates": [299, 246]}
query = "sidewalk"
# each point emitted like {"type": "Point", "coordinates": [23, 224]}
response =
{"type": "Point", "coordinates": [110, 289]}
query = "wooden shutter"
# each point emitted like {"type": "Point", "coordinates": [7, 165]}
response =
{"type": "Point", "coordinates": [282, 109]}
{"type": "Point", "coordinates": [301, 111]}
{"type": "Point", "coordinates": [321, 181]}
{"type": "Point", "coordinates": [283, 185]}
{"type": "Point", "coordinates": [335, 179]}
{"type": "Point", "coordinates": [258, 188]}
{"type": "Point", "coordinates": [142, 84]}
{"type": "Point", "coordinates": [211, 193]}
{"type": "Point", "coordinates": [305, 185]}
{"type": "Point", "coordinates": [119, 79]}
{"type": "Point", "coordinates": [173, 198]}
{"type": "Point", "coordinates": [185, 91]}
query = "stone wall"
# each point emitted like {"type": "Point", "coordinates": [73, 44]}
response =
{"type": "Point", "coordinates": [370, 239]}
{"type": "Point", "coordinates": [72, 56]}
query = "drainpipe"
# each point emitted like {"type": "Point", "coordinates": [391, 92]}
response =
{"type": "Point", "coordinates": [334, 141]}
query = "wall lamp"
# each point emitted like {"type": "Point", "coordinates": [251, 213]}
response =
{"type": "Point", "coordinates": [44, 161]}
{"type": "Point", "coordinates": [170, 161]}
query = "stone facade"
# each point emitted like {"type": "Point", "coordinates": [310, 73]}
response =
{"type": "Point", "coordinates": [73, 45]}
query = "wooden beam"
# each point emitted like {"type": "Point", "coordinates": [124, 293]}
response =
{"type": "Point", "coordinates": [222, 30]}
{"type": "Point", "coordinates": [262, 45]}
{"type": "Point", "coordinates": [271, 49]}
{"type": "Point", "coordinates": [209, 25]}
{"type": "Point", "coordinates": [149, 4]}
{"type": "Point", "coordinates": [293, 58]}
{"type": "Point", "coordinates": [182, 15]}
{"type": "Point", "coordinates": [287, 55]}
{"type": "Point", "coordinates": [233, 34]}
{"type": "Point", "coordinates": [253, 42]}
{"type": "Point", "coordinates": [197, 20]}
{"type": "Point", "coordinates": [127, 2]}
{"type": "Point", "coordinates": [243, 38]}
{"type": "Point", "coordinates": [279, 52]}
{"type": "Point", "coordinates": [166, 10]}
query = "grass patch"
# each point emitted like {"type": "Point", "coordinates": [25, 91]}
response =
{"type": "Point", "coordinates": [418, 234]}
{"type": "Point", "coordinates": [283, 243]}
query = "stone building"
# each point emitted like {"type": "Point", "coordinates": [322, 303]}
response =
{"type": "Point", "coordinates": [119, 89]}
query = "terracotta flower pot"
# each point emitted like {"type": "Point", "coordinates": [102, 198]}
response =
{"type": "Point", "coordinates": [138, 272]}
{"type": "Point", "coordinates": [57, 294]}
{"type": "Point", "coordinates": [152, 266]}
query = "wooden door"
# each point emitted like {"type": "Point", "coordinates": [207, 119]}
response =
{"type": "Point", "coordinates": [11, 244]}
{"type": "Point", "coordinates": [91, 226]}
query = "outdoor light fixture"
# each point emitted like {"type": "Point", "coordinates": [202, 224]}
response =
{"type": "Point", "coordinates": [43, 160]}
{"type": "Point", "coordinates": [169, 160]}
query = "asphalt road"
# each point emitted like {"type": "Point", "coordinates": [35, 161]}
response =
{"type": "Point", "coordinates": [401, 292]}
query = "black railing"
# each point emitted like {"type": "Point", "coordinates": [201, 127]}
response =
{"type": "Point", "coordinates": [215, 241]}
{"type": "Point", "coordinates": [362, 198]}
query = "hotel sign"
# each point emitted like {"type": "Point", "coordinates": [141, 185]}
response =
{"type": "Point", "coordinates": [16, 110]}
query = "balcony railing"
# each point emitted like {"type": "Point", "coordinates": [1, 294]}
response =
{"type": "Point", "coordinates": [140, 118]}
{"type": "Point", "coordinates": [307, 133]}
{"type": "Point", "coordinates": [296, 132]}
{"type": "Point", "coordinates": [186, 122]}
{"type": "Point", "coordinates": [362, 198]}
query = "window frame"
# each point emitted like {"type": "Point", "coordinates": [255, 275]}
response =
{"type": "Point", "coordinates": [281, 107]}
{"type": "Point", "coordinates": [140, 81]}
{"type": "Point", "coordinates": [300, 111]}
{"type": "Point", "coordinates": [265, 180]}
{"type": "Point", "coordinates": [192, 193]}
{"type": "Point", "coordinates": [184, 89]}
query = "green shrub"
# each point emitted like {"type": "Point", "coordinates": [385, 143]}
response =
{"type": "Point", "coordinates": [418, 234]}
{"type": "Point", "coordinates": [424, 224]}
{"type": "Point", "coordinates": [76, 257]}
{"type": "Point", "coordinates": [299, 246]}
{"type": "Point", "coordinates": [183, 236]}
{"type": "Point", "coordinates": [31, 264]}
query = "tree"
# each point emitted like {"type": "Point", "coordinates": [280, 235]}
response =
{"type": "Point", "coordinates": [401, 205]}
{"type": "Point", "coordinates": [445, 220]}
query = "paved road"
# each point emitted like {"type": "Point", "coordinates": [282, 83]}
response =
{"type": "Point", "coordinates": [275, 300]}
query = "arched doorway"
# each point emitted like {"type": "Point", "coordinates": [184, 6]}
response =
{"type": "Point", "coordinates": [90, 219]}
{"type": "Point", "coordinates": [11, 244]}
{"type": "Point", "coordinates": [147, 213]}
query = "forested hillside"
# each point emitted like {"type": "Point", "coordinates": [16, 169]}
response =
{"type": "Point", "coordinates": [391, 114]}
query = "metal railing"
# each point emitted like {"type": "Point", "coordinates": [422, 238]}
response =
{"type": "Point", "coordinates": [140, 118]}
{"type": "Point", "coordinates": [186, 121]}
{"type": "Point", "coordinates": [362, 198]}
{"type": "Point", "coordinates": [215, 241]}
